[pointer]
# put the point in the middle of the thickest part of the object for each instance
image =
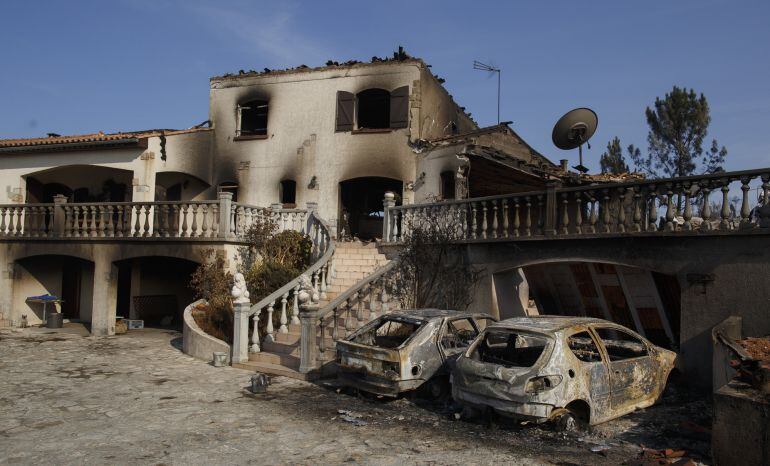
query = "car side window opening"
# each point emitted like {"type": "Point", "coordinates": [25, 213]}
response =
{"type": "Point", "coordinates": [253, 118]}
{"type": "Point", "coordinates": [621, 345]}
{"type": "Point", "coordinates": [510, 349]}
{"type": "Point", "coordinates": [389, 333]}
{"type": "Point", "coordinates": [459, 333]}
{"type": "Point", "coordinates": [583, 347]}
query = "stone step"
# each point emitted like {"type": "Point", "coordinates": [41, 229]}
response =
{"type": "Point", "coordinates": [279, 359]}
{"type": "Point", "coordinates": [271, 369]}
{"type": "Point", "coordinates": [287, 342]}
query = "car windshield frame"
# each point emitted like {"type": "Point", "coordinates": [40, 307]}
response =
{"type": "Point", "coordinates": [380, 321]}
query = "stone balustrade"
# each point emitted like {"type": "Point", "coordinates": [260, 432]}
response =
{"type": "Point", "coordinates": [366, 300]}
{"type": "Point", "coordinates": [718, 203]}
{"type": "Point", "coordinates": [218, 220]}
{"type": "Point", "coordinates": [286, 300]}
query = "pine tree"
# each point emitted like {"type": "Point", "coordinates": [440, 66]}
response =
{"type": "Point", "coordinates": [612, 160]}
{"type": "Point", "coordinates": [678, 126]}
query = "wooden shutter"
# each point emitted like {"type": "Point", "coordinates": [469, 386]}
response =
{"type": "Point", "coordinates": [345, 104]}
{"type": "Point", "coordinates": [399, 107]}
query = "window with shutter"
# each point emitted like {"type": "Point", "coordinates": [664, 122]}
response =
{"type": "Point", "coordinates": [345, 104]}
{"type": "Point", "coordinates": [373, 110]}
{"type": "Point", "coordinates": [399, 107]}
{"type": "Point", "coordinates": [253, 118]}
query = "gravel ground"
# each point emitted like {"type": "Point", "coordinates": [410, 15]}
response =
{"type": "Point", "coordinates": [66, 398]}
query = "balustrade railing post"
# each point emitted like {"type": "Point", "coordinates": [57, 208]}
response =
{"type": "Point", "coordinates": [240, 349]}
{"type": "Point", "coordinates": [59, 215]}
{"type": "Point", "coordinates": [308, 316]}
{"type": "Point", "coordinates": [388, 202]}
{"type": "Point", "coordinates": [225, 202]}
{"type": "Point", "coordinates": [551, 207]}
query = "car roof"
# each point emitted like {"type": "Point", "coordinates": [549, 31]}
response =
{"type": "Point", "coordinates": [431, 313]}
{"type": "Point", "coordinates": [546, 323]}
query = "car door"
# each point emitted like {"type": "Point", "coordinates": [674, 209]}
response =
{"type": "Point", "coordinates": [631, 367]}
{"type": "Point", "coordinates": [591, 364]}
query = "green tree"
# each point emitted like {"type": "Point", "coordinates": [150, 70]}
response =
{"type": "Point", "coordinates": [678, 126]}
{"type": "Point", "coordinates": [612, 160]}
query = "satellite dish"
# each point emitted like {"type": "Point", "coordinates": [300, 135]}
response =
{"type": "Point", "coordinates": [573, 130]}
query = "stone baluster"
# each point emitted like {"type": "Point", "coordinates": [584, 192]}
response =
{"type": "Point", "coordinates": [323, 282]}
{"type": "Point", "coordinates": [484, 219]}
{"type": "Point", "coordinates": [349, 324]}
{"type": "Point", "coordinates": [67, 221]}
{"type": "Point", "coordinates": [335, 324]}
{"type": "Point", "coordinates": [745, 208]}
{"type": "Point", "coordinates": [578, 212]}
{"type": "Point", "coordinates": [204, 222]}
{"type": "Point", "coordinates": [706, 206]}
{"type": "Point", "coordinates": [528, 217]}
{"type": "Point", "coordinates": [396, 215]}
{"type": "Point", "coordinates": [110, 232]}
{"type": "Point", "coordinates": [255, 343]}
{"type": "Point", "coordinates": [147, 220]}
{"type": "Point", "coordinates": [31, 219]}
{"type": "Point", "coordinates": [185, 209]}
{"type": "Point", "coordinates": [283, 319]}
{"type": "Point", "coordinates": [593, 217]}
{"type": "Point", "coordinates": [725, 223]}
{"type": "Point", "coordinates": [360, 311]}
{"type": "Point", "coordinates": [652, 211]}
{"type": "Point", "coordinates": [473, 220]}
{"type": "Point", "coordinates": [605, 210]}
{"type": "Point", "coordinates": [92, 226]}
{"type": "Point", "coordinates": [687, 214]}
{"type": "Point", "coordinates": [564, 214]}
{"type": "Point", "coordinates": [215, 221]}
{"type": "Point", "coordinates": [540, 216]}
{"type": "Point", "coordinates": [295, 306]}
{"type": "Point", "coordinates": [119, 212]}
{"type": "Point", "coordinates": [3, 211]}
{"type": "Point", "coordinates": [194, 233]}
{"type": "Point", "coordinates": [233, 230]}
{"type": "Point", "coordinates": [516, 218]}
{"type": "Point", "coordinates": [669, 209]}
{"type": "Point", "coordinates": [621, 210]}
{"type": "Point", "coordinates": [506, 223]}
{"type": "Point", "coordinates": [164, 220]}
{"type": "Point", "coordinates": [495, 224]}
{"type": "Point", "coordinates": [269, 329]}
{"type": "Point", "coordinates": [637, 227]}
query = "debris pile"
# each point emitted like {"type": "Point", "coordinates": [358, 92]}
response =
{"type": "Point", "coordinates": [753, 365]}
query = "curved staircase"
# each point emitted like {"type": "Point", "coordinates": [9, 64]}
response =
{"type": "Point", "coordinates": [280, 355]}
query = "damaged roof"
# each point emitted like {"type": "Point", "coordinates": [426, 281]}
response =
{"type": "Point", "coordinates": [57, 142]}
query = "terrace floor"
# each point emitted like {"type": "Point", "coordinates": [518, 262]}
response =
{"type": "Point", "coordinates": [66, 398]}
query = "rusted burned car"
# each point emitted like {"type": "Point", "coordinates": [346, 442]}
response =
{"type": "Point", "coordinates": [573, 371]}
{"type": "Point", "coordinates": [403, 350]}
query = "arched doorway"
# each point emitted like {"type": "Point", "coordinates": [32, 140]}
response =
{"type": "Point", "coordinates": [80, 183]}
{"type": "Point", "coordinates": [361, 209]}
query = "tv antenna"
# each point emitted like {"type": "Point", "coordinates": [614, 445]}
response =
{"type": "Point", "coordinates": [573, 130]}
{"type": "Point", "coordinates": [477, 65]}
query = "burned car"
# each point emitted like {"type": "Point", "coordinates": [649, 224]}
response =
{"type": "Point", "coordinates": [402, 350]}
{"type": "Point", "coordinates": [571, 370]}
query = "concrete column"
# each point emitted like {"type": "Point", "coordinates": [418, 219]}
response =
{"type": "Point", "coordinates": [7, 267]}
{"type": "Point", "coordinates": [105, 295]}
{"type": "Point", "coordinates": [240, 348]}
{"type": "Point", "coordinates": [136, 286]}
{"type": "Point", "coordinates": [59, 216]}
{"type": "Point", "coordinates": [308, 316]}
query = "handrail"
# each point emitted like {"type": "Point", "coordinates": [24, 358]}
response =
{"type": "Point", "coordinates": [319, 273]}
{"type": "Point", "coordinates": [345, 296]}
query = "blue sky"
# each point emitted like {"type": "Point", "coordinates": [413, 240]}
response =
{"type": "Point", "coordinates": [73, 67]}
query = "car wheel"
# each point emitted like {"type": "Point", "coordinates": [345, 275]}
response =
{"type": "Point", "coordinates": [566, 421]}
{"type": "Point", "coordinates": [437, 388]}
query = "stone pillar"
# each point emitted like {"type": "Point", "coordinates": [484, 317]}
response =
{"type": "Point", "coordinates": [58, 214]}
{"type": "Point", "coordinates": [388, 202]}
{"type": "Point", "coordinates": [240, 348]}
{"type": "Point", "coordinates": [105, 294]}
{"type": "Point", "coordinates": [551, 207]}
{"type": "Point", "coordinates": [225, 205]}
{"type": "Point", "coordinates": [308, 317]}
{"type": "Point", "coordinates": [7, 267]}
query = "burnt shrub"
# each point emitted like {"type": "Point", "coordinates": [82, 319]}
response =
{"type": "Point", "coordinates": [212, 282]}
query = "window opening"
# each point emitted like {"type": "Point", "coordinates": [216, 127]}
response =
{"type": "Point", "coordinates": [373, 109]}
{"type": "Point", "coordinates": [459, 334]}
{"type": "Point", "coordinates": [289, 193]}
{"type": "Point", "coordinates": [584, 348]}
{"type": "Point", "coordinates": [389, 333]}
{"type": "Point", "coordinates": [510, 349]}
{"type": "Point", "coordinates": [447, 185]}
{"type": "Point", "coordinates": [253, 117]}
{"type": "Point", "coordinates": [620, 345]}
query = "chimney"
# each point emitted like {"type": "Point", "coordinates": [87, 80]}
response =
{"type": "Point", "coordinates": [564, 164]}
